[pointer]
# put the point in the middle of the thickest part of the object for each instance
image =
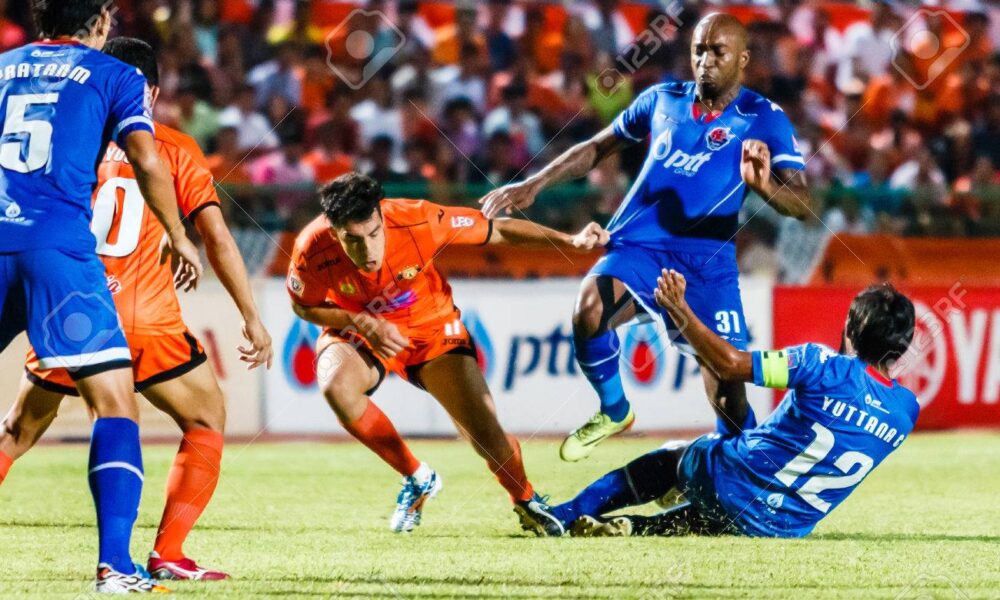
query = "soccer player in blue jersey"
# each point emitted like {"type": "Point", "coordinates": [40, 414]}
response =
{"type": "Point", "coordinates": [62, 101]}
{"type": "Point", "coordinates": [712, 141]}
{"type": "Point", "coordinates": [842, 416]}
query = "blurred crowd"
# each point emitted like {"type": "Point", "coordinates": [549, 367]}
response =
{"type": "Point", "coordinates": [449, 99]}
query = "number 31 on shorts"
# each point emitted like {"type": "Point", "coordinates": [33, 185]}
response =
{"type": "Point", "coordinates": [727, 321]}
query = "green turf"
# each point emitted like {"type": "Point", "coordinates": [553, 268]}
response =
{"type": "Point", "coordinates": [309, 520]}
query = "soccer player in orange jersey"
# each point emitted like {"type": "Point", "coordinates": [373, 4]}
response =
{"type": "Point", "coordinates": [364, 270]}
{"type": "Point", "coordinates": [169, 364]}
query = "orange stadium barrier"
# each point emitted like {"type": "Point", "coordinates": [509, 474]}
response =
{"type": "Point", "coordinates": [855, 260]}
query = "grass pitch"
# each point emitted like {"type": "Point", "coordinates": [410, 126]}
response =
{"type": "Point", "coordinates": [309, 520]}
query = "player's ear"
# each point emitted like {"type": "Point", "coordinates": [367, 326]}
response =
{"type": "Point", "coordinates": [102, 27]}
{"type": "Point", "coordinates": [744, 59]}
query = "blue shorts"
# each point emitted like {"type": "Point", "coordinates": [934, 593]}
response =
{"type": "Point", "coordinates": [713, 287]}
{"type": "Point", "coordinates": [61, 299]}
{"type": "Point", "coordinates": [696, 481]}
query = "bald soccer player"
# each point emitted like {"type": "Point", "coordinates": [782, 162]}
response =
{"type": "Point", "coordinates": [712, 142]}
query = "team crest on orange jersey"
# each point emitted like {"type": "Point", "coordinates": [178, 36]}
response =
{"type": "Point", "coordinates": [295, 284]}
{"type": "Point", "coordinates": [409, 272]}
{"type": "Point", "coordinates": [347, 288]}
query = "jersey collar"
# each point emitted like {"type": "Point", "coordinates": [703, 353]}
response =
{"type": "Point", "coordinates": [705, 117]}
{"type": "Point", "coordinates": [879, 377]}
{"type": "Point", "coordinates": [59, 42]}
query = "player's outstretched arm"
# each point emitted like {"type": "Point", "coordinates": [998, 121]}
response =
{"type": "Point", "coordinates": [785, 189]}
{"type": "Point", "coordinates": [157, 189]}
{"type": "Point", "coordinates": [571, 164]}
{"type": "Point", "coordinates": [384, 336]}
{"type": "Point", "coordinates": [227, 262]}
{"type": "Point", "coordinates": [519, 232]}
{"type": "Point", "coordinates": [714, 352]}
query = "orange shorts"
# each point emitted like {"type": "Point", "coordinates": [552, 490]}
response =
{"type": "Point", "coordinates": [427, 342]}
{"type": "Point", "coordinates": [155, 359]}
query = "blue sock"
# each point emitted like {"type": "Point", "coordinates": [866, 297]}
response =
{"type": "Point", "coordinates": [607, 494]}
{"type": "Point", "coordinates": [598, 359]}
{"type": "Point", "coordinates": [726, 428]}
{"type": "Point", "coordinates": [116, 484]}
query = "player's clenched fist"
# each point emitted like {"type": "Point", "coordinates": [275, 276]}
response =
{"type": "Point", "coordinates": [383, 335]}
{"type": "Point", "coordinates": [592, 236]}
{"type": "Point", "coordinates": [755, 165]}
{"type": "Point", "coordinates": [507, 198]}
{"type": "Point", "coordinates": [670, 288]}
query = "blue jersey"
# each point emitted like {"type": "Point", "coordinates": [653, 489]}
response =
{"type": "Point", "coordinates": [839, 420]}
{"type": "Point", "coordinates": [62, 103]}
{"type": "Point", "coordinates": [689, 193]}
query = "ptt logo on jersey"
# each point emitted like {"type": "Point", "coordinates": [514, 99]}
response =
{"type": "Point", "coordinates": [408, 273]}
{"type": "Point", "coordinates": [718, 137]}
{"type": "Point", "coordinates": [460, 222]}
{"type": "Point", "coordinates": [686, 164]}
{"type": "Point", "coordinates": [347, 288]}
{"type": "Point", "coordinates": [114, 286]}
{"type": "Point", "coordinates": [12, 214]}
{"type": "Point", "coordinates": [681, 162]}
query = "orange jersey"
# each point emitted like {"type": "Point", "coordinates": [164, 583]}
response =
{"type": "Point", "coordinates": [128, 233]}
{"type": "Point", "coordinates": [408, 290]}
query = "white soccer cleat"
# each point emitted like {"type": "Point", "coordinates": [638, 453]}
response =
{"type": "Point", "coordinates": [110, 581]}
{"type": "Point", "coordinates": [411, 499]}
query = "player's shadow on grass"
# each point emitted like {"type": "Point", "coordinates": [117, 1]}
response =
{"type": "Point", "coordinates": [902, 537]}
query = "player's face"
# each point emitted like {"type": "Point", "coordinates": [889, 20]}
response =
{"type": "Point", "coordinates": [364, 242]}
{"type": "Point", "coordinates": [717, 59]}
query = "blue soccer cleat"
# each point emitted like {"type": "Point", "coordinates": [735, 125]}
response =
{"type": "Point", "coordinates": [411, 499]}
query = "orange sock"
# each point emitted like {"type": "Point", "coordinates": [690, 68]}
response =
{"type": "Point", "coordinates": [190, 486]}
{"type": "Point", "coordinates": [376, 431]}
{"type": "Point", "coordinates": [5, 463]}
{"type": "Point", "coordinates": [511, 474]}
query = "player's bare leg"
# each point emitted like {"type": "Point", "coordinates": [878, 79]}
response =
{"type": "Point", "coordinates": [603, 305]}
{"type": "Point", "coordinates": [196, 403]}
{"type": "Point", "coordinates": [346, 375]}
{"type": "Point", "coordinates": [33, 411]}
{"type": "Point", "coordinates": [458, 385]}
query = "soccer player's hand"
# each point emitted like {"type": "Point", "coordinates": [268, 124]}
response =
{"type": "Point", "coordinates": [187, 261]}
{"type": "Point", "coordinates": [755, 165]}
{"type": "Point", "coordinates": [592, 236]}
{"type": "Point", "coordinates": [259, 352]}
{"type": "Point", "coordinates": [670, 288]}
{"type": "Point", "coordinates": [507, 198]}
{"type": "Point", "coordinates": [384, 336]}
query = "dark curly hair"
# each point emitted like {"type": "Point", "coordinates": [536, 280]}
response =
{"type": "Point", "coordinates": [880, 325]}
{"type": "Point", "coordinates": [350, 198]}
{"type": "Point", "coordinates": [137, 53]}
{"type": "Point", "coordinates": [57, 18]}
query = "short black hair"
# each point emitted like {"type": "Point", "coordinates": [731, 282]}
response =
{"type": "Point", "coordinates": [135, 52]}
{"type": "Point", "coordinates": [880, 325]}
{"type": "Point", "coordinates": [57, 18]}
{"type": "Point", "coordinates": [350, 198]}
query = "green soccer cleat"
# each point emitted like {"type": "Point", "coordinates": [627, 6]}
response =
{"type": "Point", "coordinates": [579, 444]}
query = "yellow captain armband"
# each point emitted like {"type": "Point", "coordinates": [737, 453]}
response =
{"type": "Point", "coordinates": [774, 367]}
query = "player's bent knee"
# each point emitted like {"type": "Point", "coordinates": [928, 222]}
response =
{"type": "Point", "coordinates": [345, 394]}
{"type": "Point", "coordinates": [587, 315]}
